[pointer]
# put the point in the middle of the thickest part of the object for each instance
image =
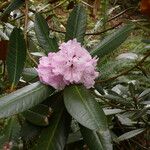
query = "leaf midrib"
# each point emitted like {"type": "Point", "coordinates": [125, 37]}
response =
{"type": "Point", "coordinates": [110, 40]}
{"type": "Point", "coordinates": [16, 60]}
{"type": "Point", "coordinates": [97, 124]}
{"type": "Point", "coordinates": [53, 132]}
{"type": "Point", "coordinates": [18, 97]}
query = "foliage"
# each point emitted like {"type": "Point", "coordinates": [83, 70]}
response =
{"type": "Point", "coordinates": [35, 116]}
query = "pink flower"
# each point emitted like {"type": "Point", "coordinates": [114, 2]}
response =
{"type": "Point", "coordinates": [71, 64]}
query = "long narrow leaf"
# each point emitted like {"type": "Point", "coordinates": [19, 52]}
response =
{"type": "Point", "coordinates": [15, 4]}
{"type": "Point", "coordinates": [84, 108]}
{"type": "Point", "coordinates": [23, 99]}
{"type": "Point", "coordinates": [76, 24]}
{"type": "Point", "coordinates": [97, 140]}
{"type": "Point", "coordinates": [129, 135]}
{"type": "Point", "coordinates": [16, 56]}
{"type": "Point", "coordinates": [113, 41]}
{"type": "Point", "coordinates": [47, 42]}
{"type": "Point", "coordinates": [55, 135]}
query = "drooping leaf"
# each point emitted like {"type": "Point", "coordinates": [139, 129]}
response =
{"type": "Point", "coordinates": [144, 94]}
{"type": "Point", "coordinates": [23, 99]}
{"type": "Point", "coordinates": [113, 41]}
{"type": "Point", "coordinates": [36, 118]}
{"type": "Point", "coordinates": [55, 135]}
{"type": "Point", "coordinates": [30, 74]}
{"type": "Point", "coordinates": [42, 109]}
{"type": "Point", "coordinates": [129, 135]}
{"type": "Point", "coordinates": [97, 140]}
{"type": "Point", "coordinates": [76, 24]}
{"type": "Point", "coordinates": [74, 137]}
{"type": "Point", "coordinates": [83, 107]}
{"type": "Point", "coordinates": [16, 56]}
{"type": "Point", "coordinates": [15, 4]}
{"type": "Point", "coordinates": [47, 41]}
{"type": "Point", "coordinates": [38, 115]}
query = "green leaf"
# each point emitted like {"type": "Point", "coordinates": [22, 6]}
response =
{"type": "Point", "coordinates": [38, 115]}
{"type": "Point", "coordinates": [113, 41]}
{"type": "Point", "coordinates": [15, 4]}
{"type": "Point", "coordinates": [117, 99]}
{"type": "Point", "coordinates": [55, 135]}
{"type": "Point", "coordinates": [76, 24]}
{"type": "Point", "coordinates": [16, 56]}
{"type": "Point", "coordinates": [23, 99]}
{"type": "Point", "coordinates": [42, 109]}
{"type": "Point", "coordinates": [47, 42]}
{"type": "Point", "coordinates": [97, 140]}
{"type": "Point", "coordinates": [109, 111]}
{"type": "Point", "coordinates": [83, 107]}
{"type": "Point", "coordinates": [30, 74]}
{"type": "Point", "coordinates": [129, 135]}
{"type": "Point", "coordinates": [144, 94]}
{"type": "Point", "coordinates": [11, 132]}
{"type": "Point", "coordinates": [139, 113]}
{"type": "Point", "coordinates": [36, 118]}
{"type": "Point", "coordinates": [29, 132]}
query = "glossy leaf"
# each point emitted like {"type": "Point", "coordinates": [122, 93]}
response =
{"type": "Point", "coordinates": [83, 107]}
{"type": "Point", "coordinates": [42, 109]}
{"type": "Point", "coordinates": [15, 4]}
{"type": "Point", "coordinates": [76, 24]}
{"type": "Point", "coordinates": [109, 111]}
{"type": "Point", "coordinates": [47, 42]}
{"type": "Point", "coordinates": [36, 118]}
{"type": "Point", "coordinates": [55, 135]}
{"type": "Point", "coordinates": [129, 135]}
{"type": "Point", "coordinates": [29, 74]}
{"type": "Point", "coordinates": [16, 56]}
{"type": "Point", "coordinates": [97, 140]}
{"type": "Point", "coordinates": [111, 42]}
{"type": "Point", "coordinates": [23, 99]}
{"type": "Point", "coordinates": [38, 115]}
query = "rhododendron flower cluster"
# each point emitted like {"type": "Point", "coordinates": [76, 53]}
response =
{"type": "Point", "coordinates": [71, 64]}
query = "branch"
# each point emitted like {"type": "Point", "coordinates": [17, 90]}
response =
{"type": "Point", "coordinates": [119, 14]}
{"type": "Point", "coordinates": [127, 71]}
{"type": "Point", "coordinates": [111, 28]}
{"type": "Point", "coordinates": [87, 34]}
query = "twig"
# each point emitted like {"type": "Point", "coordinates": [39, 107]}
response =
{"type": "Point", "coordinates": [119, 14]}
{"type": "Point", "coordinates": [85, 3]}
{"type": "Point", "coordinates": [87, 34]}
{"type": "Point", "coordinates": [25, 30]}
{"type": "Point", "coordinates": [127, 71]}
{"type": "Point", "coordinates": [111, 28]}
{"type": "Point", "coordinates": [26, 19]}
{"type": "Point", "coordinates": [63, 32]}
{"type": "Point", "coordinates": [141, 146]}
{"type": "Point", "coordinates": [55, 7]}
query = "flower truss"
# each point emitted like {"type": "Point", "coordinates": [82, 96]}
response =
{"type": "Point", "coordinates": [72, 64]}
